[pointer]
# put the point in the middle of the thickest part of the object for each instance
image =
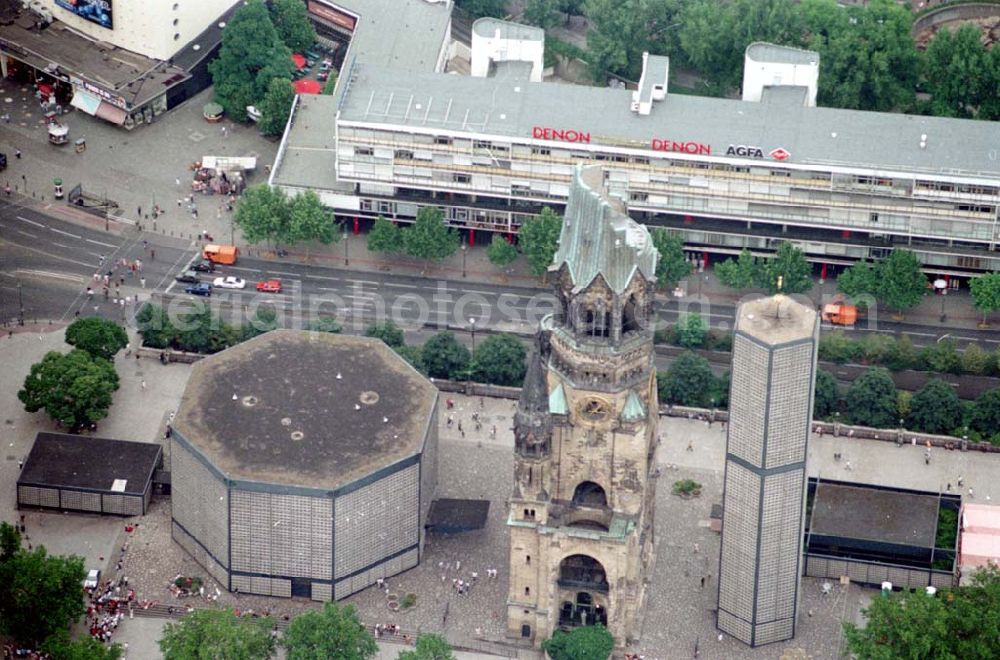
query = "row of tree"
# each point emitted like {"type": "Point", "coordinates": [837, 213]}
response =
{"type": "Point", "coordinates": [869, 60]}
{"type": "Point", "coordinates": [266, 214]}
{"type": "Point", "coordinates": [898, 354]}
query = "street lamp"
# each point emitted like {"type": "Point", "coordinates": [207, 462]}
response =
{"type": "Point", "coordinates": [347, 260]}
{"type": "Point", "coordinates": [20, 304]}
{"type": "Point", "coordinates": [941, 286]}
{"type": "Point", "coordinates": [472, 324]}
{"type": "Point", "coordinates": [465, 249]}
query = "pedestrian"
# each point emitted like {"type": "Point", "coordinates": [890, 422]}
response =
{"type": "Point", "coordinates": [20, 464]}
{"type": "Point", "coordinates": [90, 292]}
{"type": "Point", "coordinates": [690, 446]}
{"type": "Point", "coordinates": [6, 189]}
{"type": "Point", "coordinates": [948, 488]}
{"type": "Point", "coordinates": [152, 255]}
{"type": "Point", "coordinates": [138, 211]}
{"type": "Point", "coordinates": [17, 154]}
{"type": "Point", "coordinates": [847, 466]}
{"type": "Point", "coordinates": [178, 183]}
{"type": "Point", "coordinates": [927, 457]}
{"type": "Point", "coordinates": [961, 480]}
{"type": "Point", "coordinates": [702, 581]}
{"type": "Point", "coordinates": [142, 281]}
{"type": "Point", "coordinates": [143, 385]}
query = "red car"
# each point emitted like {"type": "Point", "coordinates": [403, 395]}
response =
{"type": "Point", "coordinates": [269, 286]}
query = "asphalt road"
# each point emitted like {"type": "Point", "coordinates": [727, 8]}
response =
{"type": "Point", "coordinates": [54, 262]}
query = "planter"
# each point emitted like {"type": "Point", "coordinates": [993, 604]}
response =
{"type": "Point", "coordinates": [212, 112]}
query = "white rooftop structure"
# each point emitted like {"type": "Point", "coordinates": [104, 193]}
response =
{"type": "Point", "coordinates": [496, 41]}
{"type": "Point", "coordinates": [768, 65]}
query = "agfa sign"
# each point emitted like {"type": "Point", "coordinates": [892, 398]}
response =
{"type": "Point", "coordinates": [747, 151]}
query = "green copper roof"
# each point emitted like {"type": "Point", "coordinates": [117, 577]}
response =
{"type": "Point", "coordinates": [557, 401]}
{"type": "Point", "coordinates": [599, 238]}
{"type": "Point", "coordinates": [634, 408]}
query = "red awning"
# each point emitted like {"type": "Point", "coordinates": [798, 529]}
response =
{"type": "Point", "coordinates": [307, 86]}
{"type": "Point", "coordinates": [299, 60]}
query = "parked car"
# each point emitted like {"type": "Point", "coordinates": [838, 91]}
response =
{"type": "Point", "coordinates": [229, 282]}
{"type": "Point", "coordinates": [93, 579]}
{"type": "Point", "coordinates": [188, 277]}
{"type": "Point", "coordinates": [203, 266]}
{"type": "Point", "coordinates": [269, 286]}
{"type": "Point", "coordinates": [253, 114]}
{"type": "Point", "coordinates": [201, 289]}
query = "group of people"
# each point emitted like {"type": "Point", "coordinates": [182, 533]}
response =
{"type": "Point", "coordinates": [108, 603]}
{"type": "Point", "coordinates": [388, 629]}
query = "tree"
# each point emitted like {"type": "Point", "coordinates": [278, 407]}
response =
{"type": "Point", "coordinates": [826, 399]}
{"type": "Point", "coordinates": [953, 65]}
{"type": "Point", "coordinates": [955, 623]}
{"type": "Point", "coordinates": [542, 13]}
{"type": "Point", "coordinates": [942, 356]}
{"type": "Point", "coordinates": [325, 324]}
{"type": "Point", "coordinates": [837, 347]}
{"type": "Point", "coordinates": [60, 646]}
{"type": "Point", "coordinates": [583, 643]}
{"type": "Point", "coordinates": [414, 355]}
{"type": "Point", "coordinates": [385, 237]}
{"type": "Point", "coordinates": [310, 221]}
{"type": "Point", "coordinates": [740, 273]}
{"type": "Point", "coordinates": [672, 265]}
{"type": "Point", "coordinates": [250, 57]}
{"type": "Point", "coordinates": [40, 594]}
{"type": "Point", "coordinates": [691, 331]}
{"type": "Point", "coordinates": [201, 331]}
{"type": "Point", "coordinates": [276, 105]}
{"type": "Point", "coordinates": [859, 280]}
{"type": "Point", "coordinates": [872, 400]}
{"type": "Point", "coordinates": [714, 35]}
{"type": "Point", "coordinates": [481, 8]}
{"type": "Point", "coordinates": [687, 382]}
{"type": "Point", "coordinates": [155, 326]}
{"type": "Point", "coordinates": [539, 239]}
{"type": "Point", "coordinates": [430, 646]}
{"type": "Point", "coordinates": [291, 21]}
{"type": "Point", "coordinates": [265, 319]}
{"type": "Point", "coordinates": [649, 26]}
{"type": "Point", "coordinates": [935, 408]}
{"type": "Point", "coordinates": [210, 634]}
{"type": "Point", "coordinates": [985, 291]}
{"type": "Point", "coordinates": [262, 214]}
{"type": "Point", "coordinates": [388, 332]}
{"type": "Point", "coordinates": [444, 357]}
{"type": "Point", "coordinates": [986, 413]}
{"type": "Point", "coordinates": [901, 283]}
{"type": "Point", "coordinates": [500, 360]}
{"type": "Point", "coordinates": [975, 360]}
{"type": "Point", "coordinates": [429, 237]}
{"type": "Point", "coordinates": [99, 337]}
{"type": "Point", "coordinates": [74, 388]}
{"type": "Point", "coordinates": [333, 632]}
{"type": "Point", "coordinates": [903, 355]}
{"type": "Point", "coordinates": [10, 541]}
{"type": "Point", "coordinates": [869, 61]}
{"type": "Point", "coordinates": [500, 252]}
{"type": "Point", "coordinates": [789, 266]}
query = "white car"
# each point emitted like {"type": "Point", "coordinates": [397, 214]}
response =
{"type": "Point", "coordinates": [93, 579]}
{"type": "Point", "coordinates": [253, 114]}
{"type": "Point", "coordinates": [229, 282]}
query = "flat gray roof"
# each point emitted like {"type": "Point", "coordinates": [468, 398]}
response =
{"type": "Point", "coordinates": [761, 51]}
{"type": "Point", "coordinates": [488, 27]}
{"type": "Point", "coordinates": [814, 136]}
{"type": "Point", "coordinates": [875, 514]}
{"type": "Point", "coordinates": [273, 409]}
{"type": "Point", "coordinates": [137, 78]}
{"type": "Point", "coordinates": [405, 35]}
{"type": "Point", "coordinates": [60, 460]}
{"type": "Point", "coordinates": [776, 320]}
{"type": "Point", "coordinates": [309, 158]}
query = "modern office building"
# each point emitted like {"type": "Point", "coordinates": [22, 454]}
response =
{"type": "Point", "coordinates": [303, 464]}
{"type": "Point", "coordinates": [725, 174]}
{"type": "Point", "coordinates": [581, 511]}
{"type": "Point", "coordinates": [764, 489]}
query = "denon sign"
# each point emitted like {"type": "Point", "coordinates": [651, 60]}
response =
{"type": "Point", "coordinates": [545, 133]}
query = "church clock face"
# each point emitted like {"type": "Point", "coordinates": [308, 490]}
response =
{"type": "Point", "coordinates": [594, 409]}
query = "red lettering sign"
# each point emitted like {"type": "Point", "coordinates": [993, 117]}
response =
{"type": "Point", "coordinates": [331, 14]}
{"type": "Point", "coordinates": [545, 133]}
{"type": "Point", "coordinates": [689, 147]}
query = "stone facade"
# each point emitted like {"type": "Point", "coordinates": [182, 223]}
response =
{"type": "Point", "coordinates": [585, 429]}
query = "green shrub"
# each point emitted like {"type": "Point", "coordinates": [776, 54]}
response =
{"type": "Point", "coordinates": [837, 347]}
{"type": "Point", "coordinates": [942, 357]}
{"type": "Point", "coordinates": [691, 331]}
{"type": "Point", "coordinates": [903, 355]}
{"type": "Point", "coordinates": [876, 348]}
{"type": "Point", "coordinates": [975, 360]}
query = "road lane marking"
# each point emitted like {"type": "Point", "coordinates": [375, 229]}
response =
{"type": "Point", "coordinates": [61, 245]}
{"type": "Point", "coordinates": [48, 273]}
{"type": "Point", "coordinates": [64, 233]}
{"type": "Point", "coordinates": [30, 222]}
{"type": "Point", "coordinates": [400, 286]}
{"type": "Point", "coordinates": [26, 233]}
{"type": "Point", "coordinates": [322, 277]}
{"type": "Point", "coordinates": [362, 281]}
{"type": "Point", "coordinates": [110, 245]}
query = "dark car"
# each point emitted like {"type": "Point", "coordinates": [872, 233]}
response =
{"type": "Point", "coordinates": [203, 266]}
{"type": "Point", "coordinates": [3, 162]}
{"type": "Point", "coordinates": [188, 277]}
{"type": "Point", "coordinates": [201, 289]}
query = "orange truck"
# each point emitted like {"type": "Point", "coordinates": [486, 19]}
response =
{"type": "Point", "coordinates": [839, 313]}
{"type": "Point", "coordinates": [220, 254]}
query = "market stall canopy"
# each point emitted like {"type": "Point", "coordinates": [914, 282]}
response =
{"type": "Point", "coordinates": [111, 113]}
{"type": "Point", "coordinates": [299, 60]}
{"type": "Point", "coordinates": [307, 86]}
{"type": "Point", "coordinates": [85, 101]}
{"type": "Point", "coordinates": [212, 110]}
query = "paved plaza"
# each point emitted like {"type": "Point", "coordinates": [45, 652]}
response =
{"type": "Point", "coordinates": [680, 612]}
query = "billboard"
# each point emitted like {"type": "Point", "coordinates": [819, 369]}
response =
{"type": "Point", "coordinates": [95, 11]}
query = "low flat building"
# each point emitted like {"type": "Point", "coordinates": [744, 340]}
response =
{"type": "Point", "coordinates": [304, 464]}
{"type": "Point", "coordinates": [75, 473]}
